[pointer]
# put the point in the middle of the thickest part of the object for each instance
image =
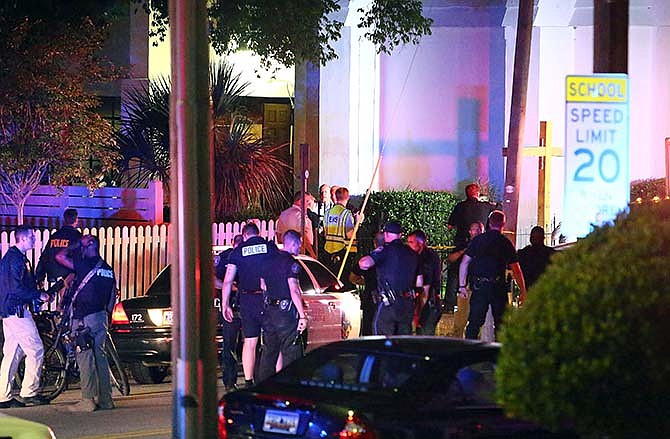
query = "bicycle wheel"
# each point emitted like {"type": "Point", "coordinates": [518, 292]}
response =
{"type": "Point", "coordinates": [116, 369]}
{"type": "Point", "coordinates": [53, 379]}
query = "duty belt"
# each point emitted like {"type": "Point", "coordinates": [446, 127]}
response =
{"type": "Point", "coordinates": [283, 304]}
{"type": "Point", "coordinates": [252, 292]}
{"type": "Point", "coordinates": [491, 279]}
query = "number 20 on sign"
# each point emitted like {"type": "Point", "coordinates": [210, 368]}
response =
{"type": "Point", "coordinates": [597, 181]}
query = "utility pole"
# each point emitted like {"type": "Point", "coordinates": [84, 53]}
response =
{"type": "Point", "coordinates": [524, 30]}
{"type": "Point", "coordinates": [610, 36]}
{"type": "Point", "coordinates": [193, 349]}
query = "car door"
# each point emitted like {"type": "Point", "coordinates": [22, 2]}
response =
{"type": "Point", "coordinates": [333, 314]}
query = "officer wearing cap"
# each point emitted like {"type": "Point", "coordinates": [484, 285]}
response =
{"type": "Point", "coordinates": [246, 262]}
{"type": "Point", "coordinates": [397, 270]}
{"type": "Point", "coordinates": [230, 330]}
{"type": "Point", "coordinates": [483, 268]}
{"type": "Point", "coordinates": [284, 317]}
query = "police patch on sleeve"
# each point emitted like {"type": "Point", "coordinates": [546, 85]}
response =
{"type": "Point", "coordinates": [295, 268]}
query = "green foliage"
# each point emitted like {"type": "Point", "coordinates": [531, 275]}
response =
{"type": "Point", "coordinates": [424, 210]}
{"type": "Point", "coordinates": [290, 30]}
{"type": "Point", "coordinates": [589, 348]}
{"type": "Point", "coordinates": [47, 109]}
{"type": "Point", "coordinates": [647, 189]}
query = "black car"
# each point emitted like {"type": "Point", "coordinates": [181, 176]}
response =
{"type": "Point", "coordinates": [376, 387]}
{"type": "Point", "coordinates": [142, 326]}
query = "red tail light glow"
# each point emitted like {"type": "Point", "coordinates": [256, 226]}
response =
{"type": "Point", "coordinates": [119, 316]}
{"type": "Point", "coordinates": [354, 428]}
{"type": "Point", "coordinates": [223, 433]}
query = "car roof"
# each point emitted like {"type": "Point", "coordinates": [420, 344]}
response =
{"type": "Point", "coordinates": [414, 345]}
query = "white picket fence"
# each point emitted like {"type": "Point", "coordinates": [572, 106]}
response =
{"type": "Point", "coordinates": [137, 253]}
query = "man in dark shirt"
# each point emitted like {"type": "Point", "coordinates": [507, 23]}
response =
{"type": "Point", "coordinates": [467, 212]}
{"type": "Point", "coordinates": [231, 330]}
{"type": "Point", "coordinates": [430, 266]}
{"type": "Point", "coordinates": [535, 257]}
{"type": "Point", "coordinates": [397, 270]}
{"type": "Point", "coordinates": [18, 289]}
{"type": "Point", "coordinates": [284, 317]}
{"type": "Point", "coordinates": [483, 267]}
{"type": "Point", "coordinates": [369, 276]}
{"type": "Point", "coordinates": [246, 262]}
{"type": "Point", "coordinates": [92, 301]}
{"type": "Point", "coordinates": [60, 239]}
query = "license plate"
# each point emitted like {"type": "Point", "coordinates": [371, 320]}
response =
{"type": "Point", "coordinates": [167, 318]}
{"type": "Point", "coordinates": [281, 422]}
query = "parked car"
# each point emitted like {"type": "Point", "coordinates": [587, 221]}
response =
{"type": "Point", "coordinates": [16, 428]}
{"type": "Point", "coordinates": [141, 327]}
{"type": "Point", "coordinates": [376, 387]}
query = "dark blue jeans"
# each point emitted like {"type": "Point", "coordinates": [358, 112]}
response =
{"type": "Point", "coordinates": [231, 332]}
{"type": "Point", "coordinates": [485, 293]}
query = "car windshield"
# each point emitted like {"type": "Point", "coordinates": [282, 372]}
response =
{"type": "Point", "coordinates": [160, 285]}
{"type": "Point", "coordinates": [461, 379]}
{"type": "Point", "coordinates": [323, 277]}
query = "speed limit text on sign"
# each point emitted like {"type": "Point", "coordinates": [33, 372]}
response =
{"type": "Point", "coordinates": [597, 180]}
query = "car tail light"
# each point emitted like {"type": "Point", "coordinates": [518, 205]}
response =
{"type": "Point", "coordinates": [354, 428]}
{"type": "Point", "coordinates": [223, 433]}
{"type": "Point", "coordinates": [119, 316]}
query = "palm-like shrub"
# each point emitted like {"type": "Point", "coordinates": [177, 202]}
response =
{"type": "Point", "coordinates": [249, 175]}
{"type": "Point", "coordinates": [589, 349]}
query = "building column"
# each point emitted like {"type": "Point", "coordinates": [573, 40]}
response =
{"type": "Point", "coordinates": [306, 123]}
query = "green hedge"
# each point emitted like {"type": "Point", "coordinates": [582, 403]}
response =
{"type": "Point", "coordinates": [590, 348]}
{"type": "Point", "coordinates": [424, 210]}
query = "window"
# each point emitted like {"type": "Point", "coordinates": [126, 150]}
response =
{"type": "Point", "coordinates": [474, 384]}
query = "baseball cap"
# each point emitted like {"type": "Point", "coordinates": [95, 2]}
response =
{"type": "Point", "coordinates": [393, 227]}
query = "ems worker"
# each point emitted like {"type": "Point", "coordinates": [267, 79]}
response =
{"type": "Point", "coordinates": [93, 297]}
{"type": "Point", "coordinates": [231, 330]}
{"type": "Point", "coordinates": [483, 268]}
{"type": "Point", "coordinates": [284, 317]}
{"type": "Point", "coordinates": [338, 230]}
{"type": "Point", "coordinates": [397, 271]}
{"type": "Point", "coordinates": [246, 261]}
{"type": "Point", "coordinates": [18, 289]}
{"type": "Point", "coordinates": [60, 239]}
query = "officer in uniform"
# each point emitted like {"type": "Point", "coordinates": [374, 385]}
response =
{"type": "Point", "coordinates": [18, 289]}
{"type": "Point", "coordinates": [483, 268]}
{"type": "Point", "coordinates": [284, 317]}
{"type": "Point", "coordinates": [94, 294]}
{"type": "Point", "coordinates": [231, 330]}
{"type": "Point", "coordinates": [397, 271]}
{"type": "Point", "coordinates": [246, 261]}
{"type": "Point", "coordinates": [60, 239]}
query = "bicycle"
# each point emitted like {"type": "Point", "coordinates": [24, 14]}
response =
{"type": "Point", "coordinates": [60, 366]}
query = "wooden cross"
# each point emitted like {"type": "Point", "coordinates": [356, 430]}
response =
{"type": "Point", "coordinates": [544, 153]}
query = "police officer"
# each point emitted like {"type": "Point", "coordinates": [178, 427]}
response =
{"type": "Point", "coordinates": [60, 239]}
{"type": "Point", "coordinates": [231, 330]}
{"type": "Point", "coordinates": [247, 261]}
{"type": "Point", "coordinates": [428, 302]}
{"type": "Point", "coordinates": [94, 294]}
{"type": "Point", "coordinates": [397, 270]}
{"type": "Point", "coordinates": [18, 289]}
{"type": "Point", "coordinates": [483, 267]}
{"type": "Point", "coordinates": [369, 276]}
{"type": "Point", "coordinates": [284, 317]}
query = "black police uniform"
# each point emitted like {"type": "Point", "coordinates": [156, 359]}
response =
{"type": "Point", "coordinates": [231, 330]}
{"type": "Point", "coordinates": [431, 268]}
{"type": "Point", "coordinates": [397, 268]}
{"type": "Point", "coordinates": [367, 302]}
{"type": "Point", "coordinates": [47, 266]}
{"type": "Point", "coordinates": [249, 258]}
{"type": "Point", "coordinates": [491, 253]}
{"type": "Point", "coordinates": [280, 318]}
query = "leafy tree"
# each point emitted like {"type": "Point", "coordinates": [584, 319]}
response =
{"type": "Point", "coordinates": [589, 348]}
{"type": "Point", "coordinates": [290, 30]}
{"type": "Point", "coordinates": [47, 109]}
{"type": "Point", "coordinates": [249, 174]}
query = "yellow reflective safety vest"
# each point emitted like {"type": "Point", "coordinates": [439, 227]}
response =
{"type": "Point", "coordinates": [335, 231]}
